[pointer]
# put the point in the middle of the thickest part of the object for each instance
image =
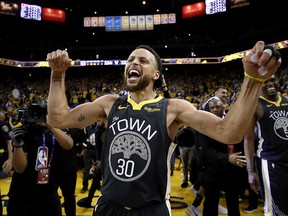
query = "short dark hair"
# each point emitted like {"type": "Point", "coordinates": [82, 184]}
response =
{"type": "Point", "coordinates": [220, 87]}
{"type": "Point", "coordinates": [157, 57]}
{"type": "Point", "coordinates": [158, 82]}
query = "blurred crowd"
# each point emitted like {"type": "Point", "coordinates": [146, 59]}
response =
{"type": "Point", "coordinates": [194, 83]}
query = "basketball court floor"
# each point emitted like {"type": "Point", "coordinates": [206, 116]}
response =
{"type": "Point", "coordinates": [179, 196]}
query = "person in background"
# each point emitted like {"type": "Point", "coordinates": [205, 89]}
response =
{"type": "Point", "coordinates": [35, 173]}
{"type": "Point", "coordinates": [197, 188]}
{"type": "Point", "coordinates": [92, 135]}
{"type": "Point", "coordinates": [6, 154]}
{"type": "Point", "coordinates": [65, 165]}
{"type": "Point", "coordinates": [185, 140]}
{"type": "Point", "coordinates": [270, 175]}
{"type": "Point", "coordinates": [98, 138]}
{"type": "Point", "coordinates": [222, 170]}
{"type": "Point", "coordinates": [252, 195]}
{"type": "Point", "coordinates": [141, 126]}
{"type": "Point", "coordinates": [221, 93]}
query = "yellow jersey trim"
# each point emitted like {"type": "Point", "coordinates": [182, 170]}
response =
{"type": "Point", "coordinates": [276, 103]}
{"type": "Point", "coordinates": [136, 106]}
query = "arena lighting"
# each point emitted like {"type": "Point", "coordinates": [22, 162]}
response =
{"type": "Point", "coordinates": [119, 62]}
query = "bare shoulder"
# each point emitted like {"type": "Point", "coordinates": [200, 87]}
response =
{"type": "Point", "coordinates": [179, 112]}
{"type": "Point", "coordinates": [177, 108]}
{"type": "Point", "coordinates": [100, 107]}
{"type": "Point", "coordinates": [108, 98]}
{"type": "Point", "coordinates": [179, 105]}
{"type": "Point", "coordinates": [106, 101]}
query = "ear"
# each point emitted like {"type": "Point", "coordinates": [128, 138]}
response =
{"type": "Point", "coordinates": [156, 75]}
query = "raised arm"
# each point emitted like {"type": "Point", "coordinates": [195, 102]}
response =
{"type": "Point", "coordinates": [232, 128]}
{"type": "Point", "coordinates": [59, 113]}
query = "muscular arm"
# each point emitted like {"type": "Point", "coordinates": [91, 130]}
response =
{"type": "Point", "coordinates": [232, 128]}
{"type": "Point", "coordinates": [229, 130]}
{"type": "Point", "coordinates": [59, 113]}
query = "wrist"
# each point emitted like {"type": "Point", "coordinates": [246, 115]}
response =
{"type": "Point", "coordinates": [18, 144]}
{"type": "Point", "coordinates": [57, 74]}
{"type": "Point", "coordinates": [254, 78]}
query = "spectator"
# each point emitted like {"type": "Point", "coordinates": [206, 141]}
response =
{"type": "Point", "coordinates": [35, 142]}
{"type": "Point", "coordinates": [92, 134]}
{"type": "Point", "coordinates": [5, 147]}
{"type": "Point", "coordinates": [185, 140]}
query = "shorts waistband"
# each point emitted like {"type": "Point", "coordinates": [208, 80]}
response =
{"type": "Point", "coordinates": [127, 208]}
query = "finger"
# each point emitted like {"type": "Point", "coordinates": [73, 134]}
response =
{"type": "Point", "coordinates": [276, 54]}
{"type": "Point", "coordinates": [48, 56]}
{"type": "Point", "coordinates": [256, 52]}
{"type": "Point", "coordinates": [273, 59]}
{"type": "Point", "coordinates": [269, 50]}
{"type": "Point", "coordinates": [63, 55]}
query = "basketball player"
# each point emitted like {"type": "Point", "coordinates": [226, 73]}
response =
{"type": "Point", "coordinates": [270, 118]}
{"type": "Point", "coordinates": [141, 126]}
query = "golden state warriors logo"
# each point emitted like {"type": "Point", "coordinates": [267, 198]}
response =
{"type": "Point", "coordinates": [281, 127]}
{"type": "Point", "coordinates": [129, 156]}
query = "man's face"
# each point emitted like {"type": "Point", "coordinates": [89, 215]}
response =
{"type": "Point", "coordinates": [140, 70]}
{"type": "Point", "coordinates": [222, 94]}
{"type": "Point", "coordinates": [216, 107]}
{"type": "Point", "coordinates": [270, 87]}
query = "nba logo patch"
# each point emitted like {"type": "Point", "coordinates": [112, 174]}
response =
{"type": "Point", "coordinates": [42, 158]}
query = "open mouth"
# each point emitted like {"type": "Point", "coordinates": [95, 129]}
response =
{"type": "Point", "coordinates": [271, 89]}
{"type": "Point", "coordinates": [133, 74]}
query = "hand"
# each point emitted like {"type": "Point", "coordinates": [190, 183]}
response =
{"type": "Point", "coordinates": [254, 181]}
{"type": "Point", "coordinates": [97, 165]}
{"type": "Point", "coordinates": [237, 159]}
{"type": "Point", "coordinates": [59, 62]}
{"type": "Point", "coordinates": [16, 135]}
{"type": "Point", "coordinates": [7, 166]}
{"type": "Point", "coordinates": [264, 60]}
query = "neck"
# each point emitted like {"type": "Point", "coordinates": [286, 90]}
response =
{"type": "Point", "coordinates": [142, 96]}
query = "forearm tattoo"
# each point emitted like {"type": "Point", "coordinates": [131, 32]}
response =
{"type": "Point", "coordinates": [81, 117]}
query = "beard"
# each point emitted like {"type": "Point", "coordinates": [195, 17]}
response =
{"type": "Point", "coordinates": [142, 84]}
